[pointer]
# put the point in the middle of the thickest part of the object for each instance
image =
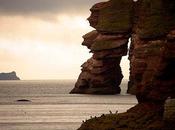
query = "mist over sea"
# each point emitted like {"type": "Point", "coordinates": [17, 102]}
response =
{"type": "Point", "coordinates": [49, 105]}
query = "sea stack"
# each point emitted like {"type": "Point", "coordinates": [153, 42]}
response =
{"type": "Point", "coordinates": [9, 76]}
{"type": "Point", "coordinates": [102, 74]}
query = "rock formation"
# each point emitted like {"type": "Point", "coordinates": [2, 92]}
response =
{"type": "Point", "coordinates": [152, 76]}
{"type": "Point", "coordinates": [151, 26]}
{"type": "Point", "coordinates": [102, 74]}
{"type": "Point", "coordinates": [9, 76]}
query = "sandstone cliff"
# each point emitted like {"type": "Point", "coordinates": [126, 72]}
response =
{"type": "Point", "coordinates": [151, 26]}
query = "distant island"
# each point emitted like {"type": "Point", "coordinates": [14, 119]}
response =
{"type": "Point", "coordinates": [9, 76]}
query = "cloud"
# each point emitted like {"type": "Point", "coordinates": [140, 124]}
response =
{"type": "Point", "coordinates": [33, 7]}
{"type": "Point", "coordinates": [22, 30]}
{"type": "Point", "coordinates": [6, 55]}
{"type": "Point", "coordinates": [32, 44]}
{"type": "Point", "coordinates": [42, 61]}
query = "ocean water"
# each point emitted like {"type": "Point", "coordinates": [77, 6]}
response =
{"type": "Point", "coordinates": [51, 107]}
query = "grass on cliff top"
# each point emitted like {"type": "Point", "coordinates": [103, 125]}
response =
{"type": "Point", "coordinates": [138, 120]}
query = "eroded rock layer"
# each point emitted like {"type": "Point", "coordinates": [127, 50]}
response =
{"type": "Point", "coordinates": [101, 74]}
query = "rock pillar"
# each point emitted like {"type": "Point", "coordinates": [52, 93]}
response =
{"type": "Point", "coordinates": [102, 74]}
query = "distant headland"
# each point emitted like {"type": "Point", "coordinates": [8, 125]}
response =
{"type": "Point", "coordinates": [9, 76]}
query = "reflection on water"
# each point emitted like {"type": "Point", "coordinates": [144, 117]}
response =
{"type": "Point", "coordinates": [51, 107]}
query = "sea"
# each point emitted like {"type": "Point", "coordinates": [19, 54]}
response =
{"type": "Point", "coordinates": [47, 105]}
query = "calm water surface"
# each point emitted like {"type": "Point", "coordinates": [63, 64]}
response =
{"type": "Point", "coordinates": [51, 107]}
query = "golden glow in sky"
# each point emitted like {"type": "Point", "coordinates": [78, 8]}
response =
{"type": "Point", "coordinates": [45, 47]}
{"type": "Point", "coordinates": [38, 49]}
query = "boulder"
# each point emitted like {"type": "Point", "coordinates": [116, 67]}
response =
{"type": "Point", "coordinates": [115, 17]}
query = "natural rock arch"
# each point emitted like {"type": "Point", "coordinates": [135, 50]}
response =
{"type": "Point", "coordinates": [151, 26]}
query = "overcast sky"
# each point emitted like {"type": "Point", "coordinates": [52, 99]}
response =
{"type": "Point", "coordinates": [41, 39]}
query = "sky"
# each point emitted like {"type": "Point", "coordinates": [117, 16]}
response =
{"type": "Point", "coordinates": [41, 39]}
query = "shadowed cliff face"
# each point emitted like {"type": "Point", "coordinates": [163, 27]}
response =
{"type": "Point", "coordinates": [151, 26]}
{"type": "Point", "coordinates": [152, 51]}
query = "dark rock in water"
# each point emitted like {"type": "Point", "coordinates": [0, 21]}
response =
{"type": "Point", "coordinates": [9, 76]}
{"type": "Point", "coordinates": [23, 100]}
